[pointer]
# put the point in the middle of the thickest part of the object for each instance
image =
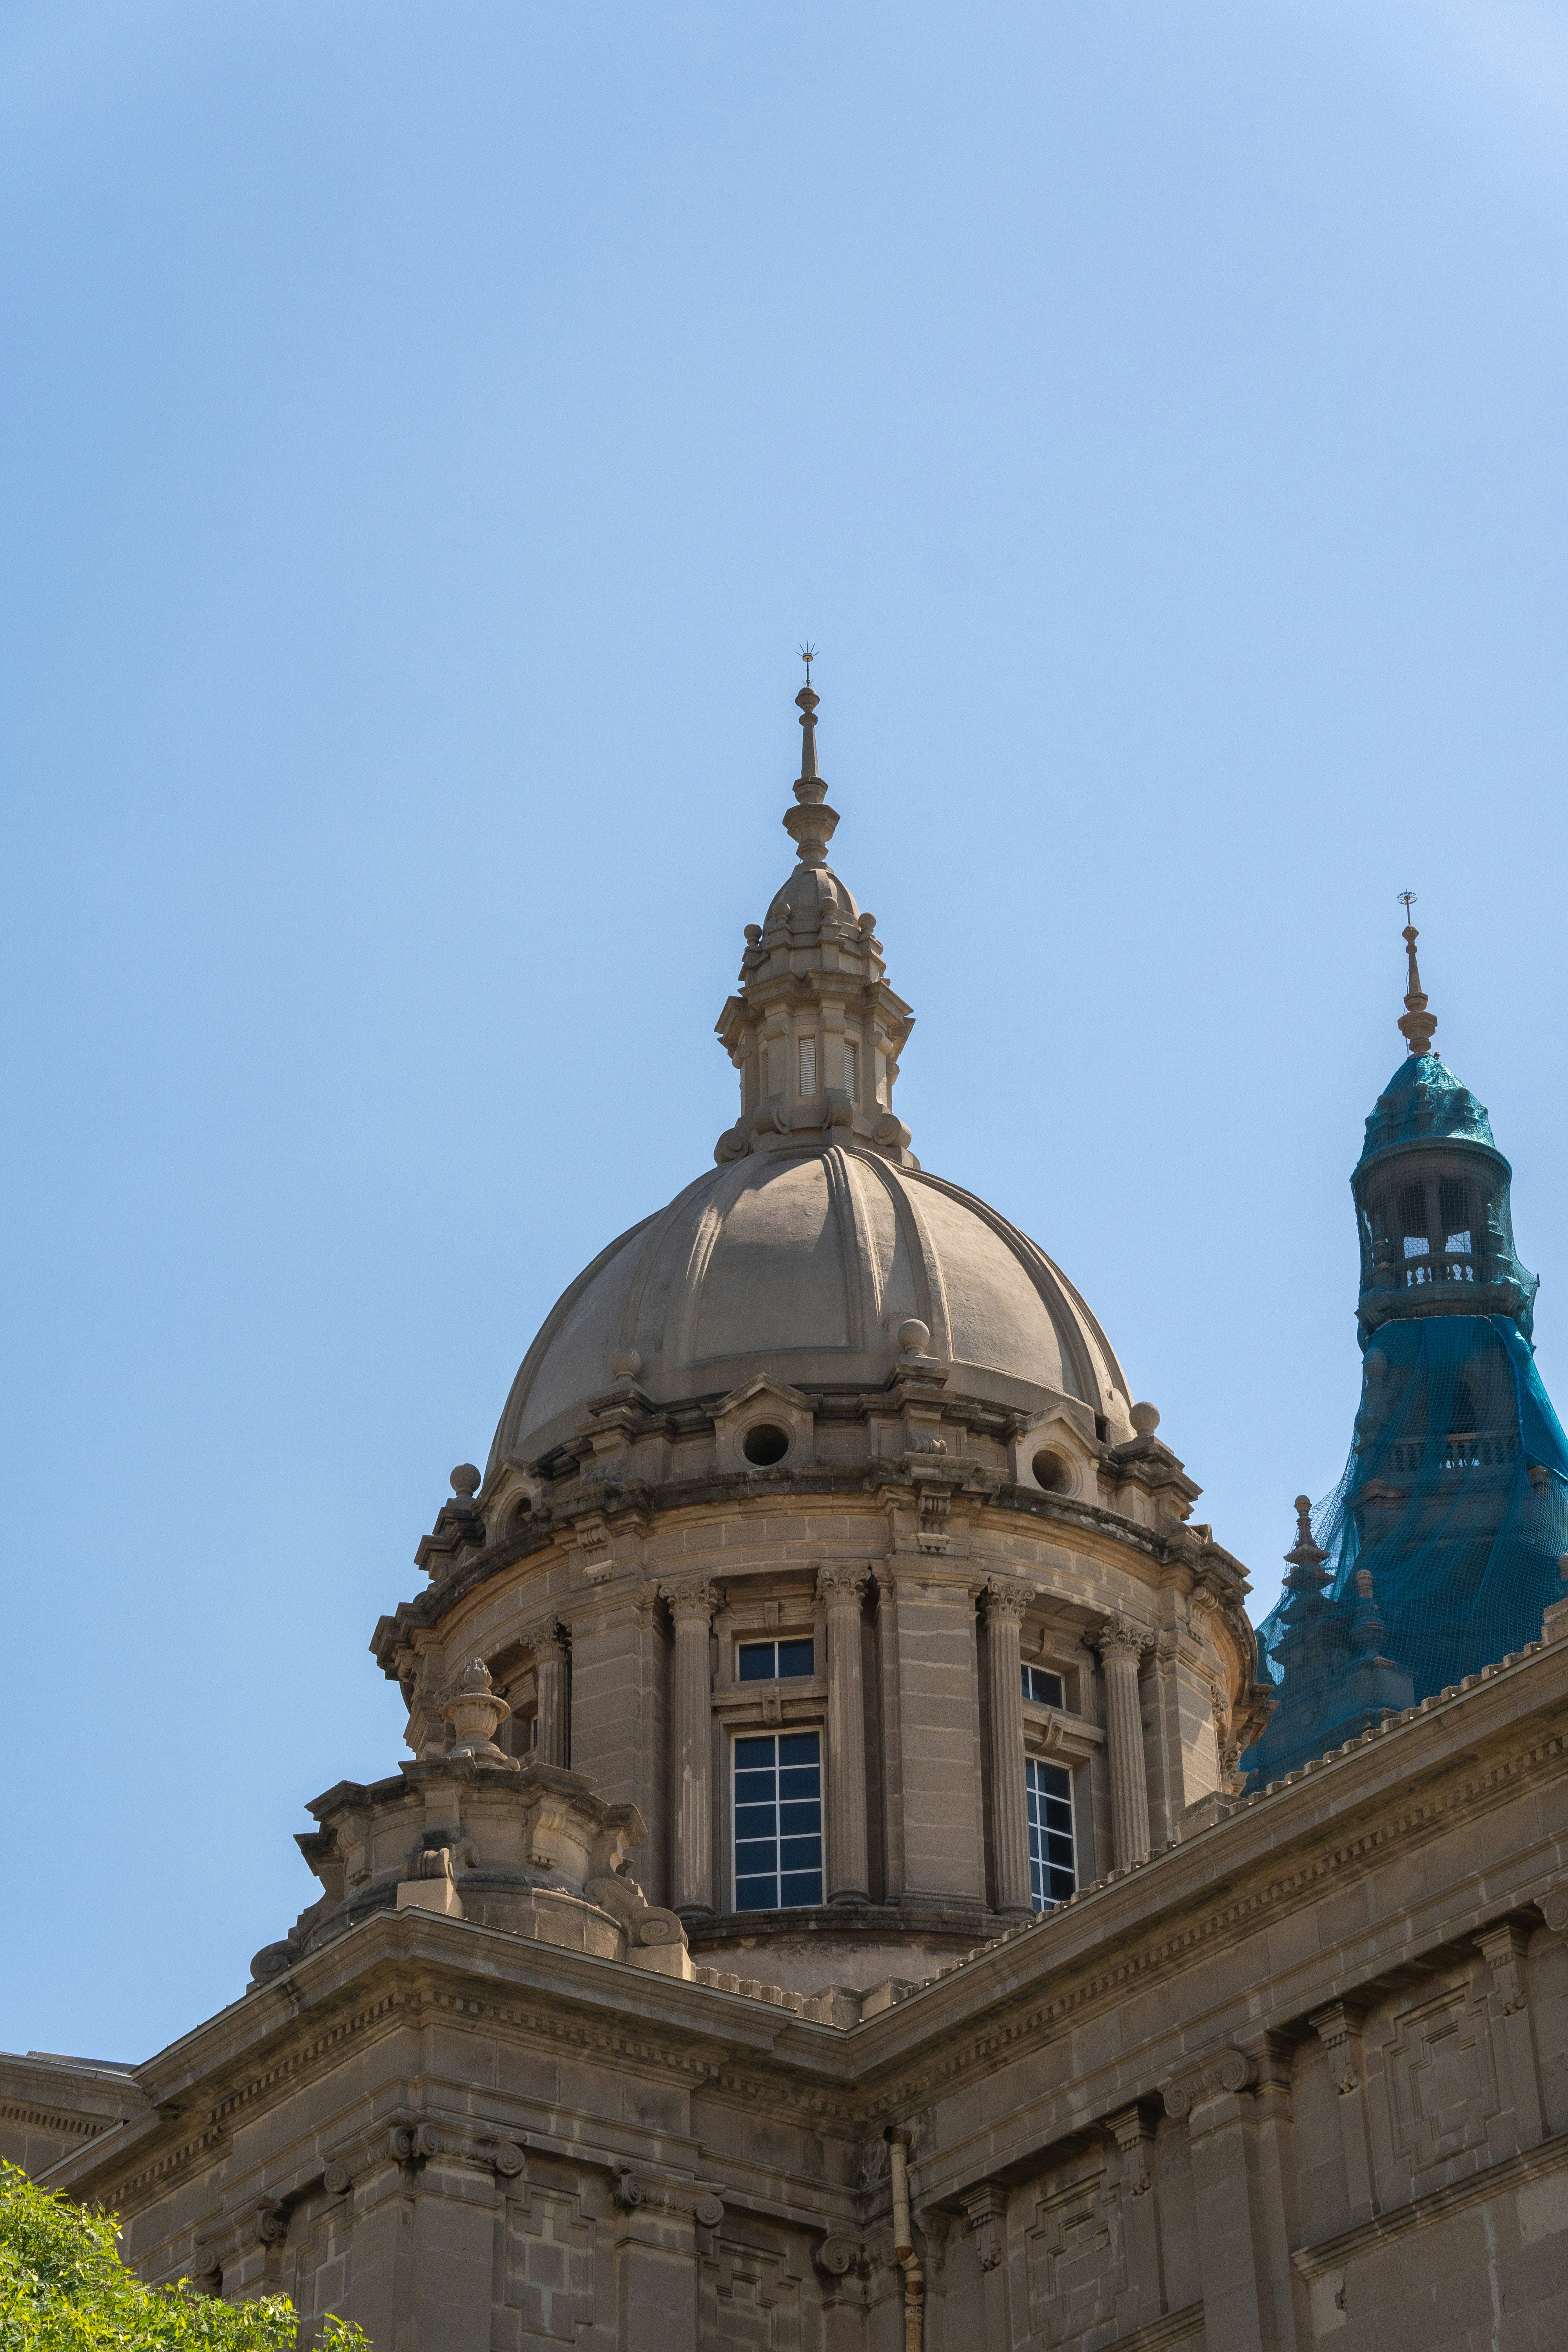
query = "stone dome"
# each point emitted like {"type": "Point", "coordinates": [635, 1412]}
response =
{"type": "Point", "coordinates": [817, 1234]}
{"type": "Point", "coordinates": [804, 1263]}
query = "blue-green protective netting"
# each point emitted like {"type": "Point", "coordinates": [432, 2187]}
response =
{"type": "Point", "coordinates": [1456, 1498]}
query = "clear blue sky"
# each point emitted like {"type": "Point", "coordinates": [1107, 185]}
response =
{"type": "Point", "coordinates": [428, 431]}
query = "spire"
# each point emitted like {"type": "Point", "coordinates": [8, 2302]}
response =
{"type": "Point", "coordinates": [1305, 1558]}
{"type": "Point", "coordinates": [1418, 1024]}
{"type": "Point", "coordinates": [812, 825]}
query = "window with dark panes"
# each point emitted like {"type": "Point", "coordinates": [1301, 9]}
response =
{"type": "Point", "coordinates": [778, 1821]}
{"type": "Point", "coordinates": [1053, 1861]}
{"type": "Point", "coordinates": [773, 1662]}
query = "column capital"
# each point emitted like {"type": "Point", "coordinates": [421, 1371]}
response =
{"type": "Point", "coordinates": [1120, 1638]}
{"type": "Point", "coordinates": [1228, 2070]}
{"type": "Point", "coordinates": [549, 1644]}
{"type": "Point", "coordinates": [690, 1596]}
{"type": "Point", "coordinates": [1005, 1600]}
{"type": "Point", "coordinates": [840, 1588]}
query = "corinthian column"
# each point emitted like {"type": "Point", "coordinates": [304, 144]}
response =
{"type": "Point", "coordinates": [692, 1604]}
{"type": "Point", "coordinates": [550, 1678]}
{"type": "Point", "coordinates": [1004, 1603]}
{"type": "Point", "coordinates": [839, 1590]}
{"type": "Point", "coordinates": [1120, 1646]}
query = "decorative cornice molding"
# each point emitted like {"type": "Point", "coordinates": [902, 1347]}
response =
{"type": "Point", "coordinates": [760, 1491]}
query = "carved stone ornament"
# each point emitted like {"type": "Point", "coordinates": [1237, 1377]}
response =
{"type": "Point", "coordinates": [262, 2223]}
{"type": "Point", "coordinates": [485, 2150]}
{"type": "Point", "coordinates": [475, 1710]}
{"type": "Point", "coordinates": [1505, 1950]}
{"type": "Point", "coordinates": [837, 2257]}
{"type": "Point", "coordinates": [1120, 1638]}
{"type": "Point", "coordinates": [1554, 1908]}
{"type": "Point", "coordinates": [841, 1588]}
{"type": "Point", "coordinates": [690, 1596]}
{"type": "Point", "coordinates": [1339, 2030]}
{"type": "Point", "coordinates": [985, 2218]}
{"type": "Point", "coordinates": [1135, 2137]}
{"type": "Point", "coordinates": [1227, 2070]}
{"type": "Point", "coordinates": [1004, 1601]}
{"type": "Point", "coordinates": [675, 2197]}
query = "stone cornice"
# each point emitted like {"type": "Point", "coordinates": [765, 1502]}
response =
{"type": "Point", "coordinates": [1063, 1516]}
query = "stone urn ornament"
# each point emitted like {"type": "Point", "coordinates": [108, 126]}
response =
{"type": "Point", "coordinates": [475, 1713]}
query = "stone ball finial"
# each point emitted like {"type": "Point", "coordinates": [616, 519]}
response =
{"type": "Point", "coordinates": [1145, 1419]}
{"type": "Point", "coordinates": [625, 1364]}
{"type": "Point", "coordinates": [753, 933]}
{"type": "Point", "coordinates": [465, 1481]}
{"type": "Point", "coordinates": [868, 923]}
{"type": "Point", "coordinates": [913, 1336]}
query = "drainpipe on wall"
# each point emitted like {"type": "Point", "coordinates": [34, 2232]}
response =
{"type": "Point", "coordinates": [898, 2142]}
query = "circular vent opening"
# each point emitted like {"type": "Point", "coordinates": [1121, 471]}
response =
{"type": "Point", "coordinates": [765, 1443]}
{"type": "Point", "coordinates": [1051, 1472]}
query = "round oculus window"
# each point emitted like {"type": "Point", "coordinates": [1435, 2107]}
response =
{"type": "Point", "coordinates": [1051, 1472]}
{"type": "Point", "coordinates": [765, 1443]}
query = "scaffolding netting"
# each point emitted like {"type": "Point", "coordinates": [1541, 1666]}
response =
{"type": "Point", "coordinates": [1439, 1550]}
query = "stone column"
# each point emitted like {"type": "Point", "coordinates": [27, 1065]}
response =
{"type": "Point", "coordinates": [655, 2249]}
{"type": "Point", "coordinates": [549, 1672]}
{"type": "Point", "coordinates": [692, 1604]}
{"type": "Point", "coordinates": [1120, 1647]}
{"type": "Point", "coordinates": [1237, 2110]}
{"type": "Point", "coordinates": [839, 1590]}
{"type": "Point", "coordinates": [1005, 1603]}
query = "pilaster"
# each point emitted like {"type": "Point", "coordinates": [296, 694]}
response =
{"type": "Point", "coordinates": [839, 1590]}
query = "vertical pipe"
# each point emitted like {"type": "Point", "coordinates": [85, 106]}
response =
{"type": "Point", "coordinates": [897, 2141]}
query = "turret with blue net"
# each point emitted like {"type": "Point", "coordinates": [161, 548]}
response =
{"type": "Point", "coordinates": [1439, 1551]}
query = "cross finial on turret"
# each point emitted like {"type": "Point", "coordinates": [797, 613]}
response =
{"type": "Point", "coordinates": [1417, 1026]}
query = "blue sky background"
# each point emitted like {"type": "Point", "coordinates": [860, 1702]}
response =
{"type": "Point", "coordinates": [428, 431]}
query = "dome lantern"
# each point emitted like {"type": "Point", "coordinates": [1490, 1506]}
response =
{"type": "Point", "coordinates": [813, 1030]}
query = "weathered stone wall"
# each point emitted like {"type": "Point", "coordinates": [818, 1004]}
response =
{"type": "Point", "coordinates": [1299, 2080]}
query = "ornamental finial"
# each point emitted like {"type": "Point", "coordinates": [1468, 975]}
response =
{"type": "Point", "coordinates": [812, 822]}
{"type": "Point", "coordinates": [1417, 1026]}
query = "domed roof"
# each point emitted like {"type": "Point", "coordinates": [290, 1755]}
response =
{"type": "Point", "coordinates": [804, 1263]}
{"type": "Point", "coordinates": [818, 1233]}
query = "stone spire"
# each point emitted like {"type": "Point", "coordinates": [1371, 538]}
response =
{"type": "Point", "coordinates": [814, 1029]}
{"type": "Point", "coordinates": [1418, 1026]}
{"type": "Point", "coordinates": [813, 823]}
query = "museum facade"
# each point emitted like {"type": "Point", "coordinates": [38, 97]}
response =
{"type": "Point", "coordinates": [857, 1880]}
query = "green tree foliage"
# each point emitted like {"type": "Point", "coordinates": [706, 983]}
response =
{"type": "Point", "coordinates": [63, 2288]}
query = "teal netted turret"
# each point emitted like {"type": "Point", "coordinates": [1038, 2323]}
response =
{"type": "Point", "coordinates": [1453, 1510]}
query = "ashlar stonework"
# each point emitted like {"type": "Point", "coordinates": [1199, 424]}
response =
{"type": "Point", "coordinates": [822, 1909]}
